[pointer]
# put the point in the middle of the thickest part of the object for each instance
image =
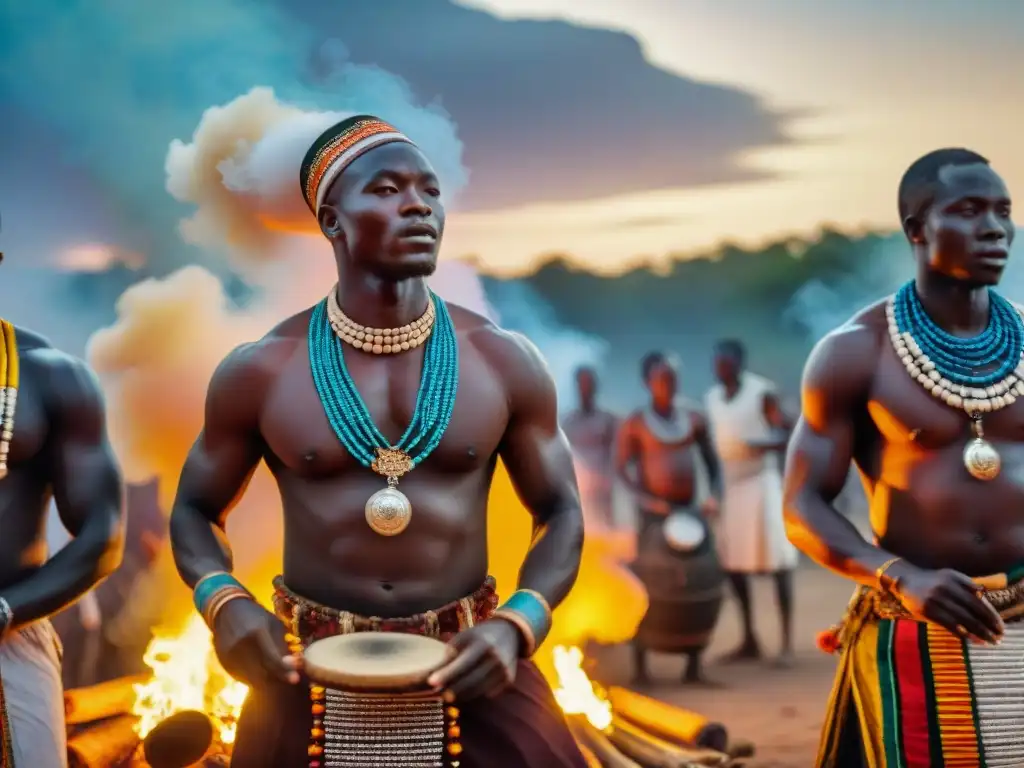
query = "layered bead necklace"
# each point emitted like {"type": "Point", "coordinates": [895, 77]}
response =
{"type": "Point", "coordinates": [388, 511]}
{"type": "Point", "coordinates": [9, 374]}
{"type": "Point", "coordinates": [380, 341]}
{"type": "Point", "coordinates": [978, 375]}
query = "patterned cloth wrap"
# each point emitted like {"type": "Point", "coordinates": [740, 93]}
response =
{"type": "Point", "coordinates": [351, 730]}
{"type": "Point", "coordinates": [7, 756]}
{"type": "Point", "coordinates": [910, 694]}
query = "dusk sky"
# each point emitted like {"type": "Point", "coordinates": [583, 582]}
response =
{"type": "Point", "coordinates": [874, 84]}
{"type": "Point", "coordinates": [612, 130]}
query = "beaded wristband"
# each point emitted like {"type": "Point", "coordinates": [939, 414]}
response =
{"type": "Point", "coordinates": [531, 614]}
{"type": "Point", "coordinates": [220, 600]}
{"type": "Point", "coordinates": [6, 618]}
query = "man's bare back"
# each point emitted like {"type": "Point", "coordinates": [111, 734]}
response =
{"type": "Point", "coordinates": [909, 448]}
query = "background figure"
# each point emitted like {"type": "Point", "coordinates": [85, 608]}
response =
{"type": "Point", "coordinates": [663, 451]}
{"type": "Point", "coordinates": [591, 432]}
{"type": "Point", "coordinates": [106, 633]}
{"type": "Point", "coordinates": [750, 432]}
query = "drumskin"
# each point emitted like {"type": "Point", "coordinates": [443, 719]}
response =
{"type": "Point", "coordinates": [913, 695]}
{"type": "Point", "coordinates": [522, 727]}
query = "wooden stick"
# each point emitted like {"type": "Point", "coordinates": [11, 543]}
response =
{"type": "Point", "coordinates": [98, 702]}
{"type": "Point", "coordinates": [669, 722]}
{"type": "Point", "coordinates": [589, 757]}
{"type": "Point", "coordinates": [598, 743]}
{"type": "Point", "coordinates": [106, 744]}
{"type": "Point", "coordinates": [649, 750]}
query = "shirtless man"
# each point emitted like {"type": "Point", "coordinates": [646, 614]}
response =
{"type": "Point", "coordinates": [656, 456]}
{"type": "Point", "coordinates": [378, 203]}
{"type": "Point", "coordinates": [591, 432]}
{"type": "Point", "coordinates": [921, 392]}
{"type": "Point", "coordinates": [751, 431]}
{"type": "Point", "coordinates": [59, 451]}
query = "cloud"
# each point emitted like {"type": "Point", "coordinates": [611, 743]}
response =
{"type": "Point", "coordinates": [548, 110]}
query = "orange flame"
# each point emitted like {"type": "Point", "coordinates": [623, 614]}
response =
{"type": "Point", "coordinates": [576, 693]}
{"type": "Point", "coordinates": [187, 675]}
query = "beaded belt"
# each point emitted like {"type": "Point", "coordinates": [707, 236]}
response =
{"type": "Point", "coordinates": [311, 621]}
{"type": "Point", "coordinates": [364, 730]}
{"type": "Point", "coordinates": [867, 603]}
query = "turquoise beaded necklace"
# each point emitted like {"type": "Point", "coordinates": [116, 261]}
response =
{"type": "Point", "coordinates": [388, 511]}
{"type": "Point", "coordinates": [978, 375]}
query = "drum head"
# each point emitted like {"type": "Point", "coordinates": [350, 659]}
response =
{"type": "Point", "coordinates": [683, 532]}
{"type": "Point", "coordinates": [374, 661]}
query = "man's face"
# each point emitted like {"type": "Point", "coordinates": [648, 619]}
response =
{"type": "Point", "coordinates": [727, 367]}
{"type": "Point", "coordinates": [967, 231]}
{"type": "Point", "coordinates": [663, 382]}
{"type": "Point", "coordinates": [388, 212]}
{"type": "Point", "coordinates": [586, 384]}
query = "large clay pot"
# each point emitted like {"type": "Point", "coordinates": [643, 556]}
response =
{"type": "Point", "coordinates": [678, 565]}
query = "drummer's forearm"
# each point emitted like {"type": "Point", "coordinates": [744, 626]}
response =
{"type": "Point", "coordinates": [199, 546]}
{"type": "Point", "coordinates": [553, 560]}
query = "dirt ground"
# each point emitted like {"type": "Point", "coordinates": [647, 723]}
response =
{"type": "Point", "coordinates": [779, 710]}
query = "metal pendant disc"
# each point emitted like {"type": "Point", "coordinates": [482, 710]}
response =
{"type": "Point", "coordinates": [982, 460]}
{"type": "Point", "coordinates": [388, 512]}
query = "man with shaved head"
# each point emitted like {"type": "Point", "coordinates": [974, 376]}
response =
{"type": "Point", "coordinates": [921, 391]}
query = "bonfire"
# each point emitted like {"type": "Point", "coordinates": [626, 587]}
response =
{"type": "Point", "coordinates": [616, 728]}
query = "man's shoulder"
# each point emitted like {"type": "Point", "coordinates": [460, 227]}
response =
{"type": "Point", "coordinates": [49, 366]}
{"type": "Point", "coordinates": [856, 342]}
{"type": "Point", "coordinates": [506, 351]}
{"type": "Point", "coordinates": [843, 363]}
{"type": "Point", "coordinates": [65, 383]}
{"type": "Point", "coordinates": [261, 360]}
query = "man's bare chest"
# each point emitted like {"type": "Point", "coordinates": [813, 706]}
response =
{"type": "Point", "coordinates": [311, 435]}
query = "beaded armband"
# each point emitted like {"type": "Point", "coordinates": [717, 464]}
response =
{"type": "Point", "coordinates": [531, 614]}
{"type": "Point", "coordinates": [214, 591]}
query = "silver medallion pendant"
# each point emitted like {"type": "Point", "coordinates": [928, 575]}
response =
{"type": "Point", "coordinates": [981, 458]}
{"type": "Point", "coordinates": [388, 511]}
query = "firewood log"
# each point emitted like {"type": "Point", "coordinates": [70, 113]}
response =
{"type": "Point", "coordinates": [648, 750]}
{"type": "Point", "coordinates": [672, 723]}
{"type": "Point", "coordinates": [598, 743]}
{"type": "Point", "coordinates": [105, 744]}
{"type": "Point", "coordinates": [98, 702]}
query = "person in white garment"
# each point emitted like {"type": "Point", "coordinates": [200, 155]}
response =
{"type": "Point", "coordinates": [591, 432]}
{"type": "Point", "coordinates": [750, 432]}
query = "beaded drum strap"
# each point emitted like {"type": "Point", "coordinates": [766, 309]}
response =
{"type": "Point", "coordinates": [363, 731]}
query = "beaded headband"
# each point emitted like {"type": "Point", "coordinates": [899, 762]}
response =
{"type": "Point", "coordinates": [336, 148]}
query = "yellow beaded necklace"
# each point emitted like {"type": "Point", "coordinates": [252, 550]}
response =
{"type": "Point", "coordinates": [9, 371]}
